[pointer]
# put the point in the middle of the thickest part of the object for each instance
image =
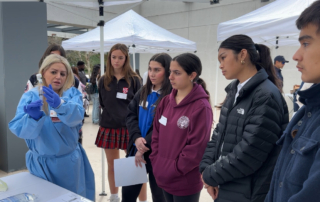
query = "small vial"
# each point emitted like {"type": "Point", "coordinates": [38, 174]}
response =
{"type": "Point", "coordinates": [39, 78]}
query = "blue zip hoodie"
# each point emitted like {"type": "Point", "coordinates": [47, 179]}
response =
{"type": "Point", "coordinates": [146, 115]}
{"type": "Point", "coordinates": [139, 121]}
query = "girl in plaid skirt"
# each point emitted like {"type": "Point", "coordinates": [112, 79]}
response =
{"type": "Point", "coordinates": [116, 89]}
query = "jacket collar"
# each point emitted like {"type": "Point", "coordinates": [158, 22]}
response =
{"type": "Point", "coordinates": [258, 78]}
{"type": "Point", "coordinates": [277, 69]}
{"type": "Point", "coordinates": [311, 96]}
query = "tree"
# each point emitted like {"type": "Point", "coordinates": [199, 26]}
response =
{"type": "Point", "coordinates": [89, 58]}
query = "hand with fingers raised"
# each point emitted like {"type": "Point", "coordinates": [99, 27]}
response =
{"type": "Point", "coordinates": [53, 99]}
{"type": "Point", "coordinates": [34, 109]}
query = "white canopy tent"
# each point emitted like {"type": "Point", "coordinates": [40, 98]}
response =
{"type": "Point", "coordinates": [131, 28]}
{"type": "Point", "coordinates": [135, 31]}
{"type": "Point", "coordinates": [273, 25]}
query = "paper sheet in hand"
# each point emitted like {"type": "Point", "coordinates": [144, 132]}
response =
{"type": "Point", "coordinates": [126, 173]}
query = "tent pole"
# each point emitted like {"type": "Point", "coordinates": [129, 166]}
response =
{"type": "Point", "coordinates": [101, 24]}
{"type": "Point", "coordinates": [134, 57]}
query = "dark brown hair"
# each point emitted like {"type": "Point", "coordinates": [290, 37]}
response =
{"type": "Point", "coordinates": [164, 59]}
{"type": "Point", "coordinates": [310, 15]}
{"type": "Point", "coordinates": [259, 54]}
{"type": "Point", "coordinates": [75, 71]}
{"type": "Point", "coordinates": [126, 69]}
{"type": "Point", "coordinates": [94, 73]}
{"type": "Point", "coordinates": [192, 63]}
{"type": "Point", "coordinates": [52, 47]}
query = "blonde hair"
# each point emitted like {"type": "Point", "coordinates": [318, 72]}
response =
{"type": "Point", "coordinates": [126, 69]}
{"type": "Point", "coordinates": [46, 64]}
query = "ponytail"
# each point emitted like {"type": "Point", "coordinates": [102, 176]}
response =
{"type": "Point", "coordinates": [259, 54]}
{"type": "Point", "coordinates": [204, 86]}
{"type": "Point", "coordinates": [265, 61]}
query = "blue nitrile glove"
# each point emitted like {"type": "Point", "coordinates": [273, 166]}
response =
{"type": "Point", "coordinates": [53, 99]}
{"type": "Point", "coordinates": [34, 109]}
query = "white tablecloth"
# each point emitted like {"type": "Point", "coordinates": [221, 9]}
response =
{"type": "Point", "coordinates": [25, 182]}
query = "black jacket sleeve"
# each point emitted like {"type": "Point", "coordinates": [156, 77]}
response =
{"type": "Point", "coordinates": [209, 154]}
{"type": "Point", "coordinates": [132, 120]}
{"type": "Point", "coordinates": [149, 137]}
{"type": "Point", "coordinates": [262, 128]}
{"type": "Point", "coordinates": [99, 90]}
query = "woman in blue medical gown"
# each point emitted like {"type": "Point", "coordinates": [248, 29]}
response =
{"type": "Point", "coordinates": [50, 129]}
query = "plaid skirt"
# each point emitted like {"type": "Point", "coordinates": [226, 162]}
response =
{"type": "Point", "coordinates": [111, 138]}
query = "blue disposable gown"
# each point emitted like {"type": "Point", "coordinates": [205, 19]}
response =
{"type": "Point", "coordinates": [54, 152]}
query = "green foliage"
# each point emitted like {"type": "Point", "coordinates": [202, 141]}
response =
{"type": "Point", "coordinates": [89, 58]}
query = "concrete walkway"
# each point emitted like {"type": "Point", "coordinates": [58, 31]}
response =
{"type": "Point", "coordinates": [94, 155]}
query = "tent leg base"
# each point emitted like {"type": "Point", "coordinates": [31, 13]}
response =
{"type": "Point", "coordinates": [103, 194]}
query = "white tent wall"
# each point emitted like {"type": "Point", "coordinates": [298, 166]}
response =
{"type": "Point", "coordinates": [198, 22]}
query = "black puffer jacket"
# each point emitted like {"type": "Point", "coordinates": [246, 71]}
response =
{"type": "Point", "coordinates": [247, 132]}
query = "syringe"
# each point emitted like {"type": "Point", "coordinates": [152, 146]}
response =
{"type": "Point", "coordinates": [39, 78]}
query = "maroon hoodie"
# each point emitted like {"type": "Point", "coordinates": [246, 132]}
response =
{"type": "Point", "coordinates": [180, 135]}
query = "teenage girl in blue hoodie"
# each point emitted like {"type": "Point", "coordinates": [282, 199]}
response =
{"type": "Point", "coordinates": [141, 111]}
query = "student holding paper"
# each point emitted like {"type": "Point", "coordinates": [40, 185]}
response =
{"type": "Point", "coordinates": [181, 130]}
{"type": "Point", "coordinates": [116, 89]}
{"type": "Point", "coordinates": [140, 122]}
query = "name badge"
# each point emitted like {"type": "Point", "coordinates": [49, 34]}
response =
{"type": "Point", "coordinates": [163, 120]}
{"type": "Point", "coordinates": [141, 105]}
{"type": "Point", "coordinates": [121, 96]}
{"type": "Point", "coordinates": [54, 116]}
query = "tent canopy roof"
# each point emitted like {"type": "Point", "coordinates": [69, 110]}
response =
{"type": "Point", "coordinates": [131, 29]}
{"type": "Point", "coordinates": [265, 24]}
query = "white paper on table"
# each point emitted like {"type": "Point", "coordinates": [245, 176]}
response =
{"type": "Point", "coordinates": [70, 197]}
{"type": "Point", "coordinates": [126, 172]}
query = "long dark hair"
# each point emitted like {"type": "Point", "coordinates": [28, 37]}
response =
{"type": "Point", "coordinates": [94, 73]}
{"type": "Point", "coordinates": [164, 59]}
{"type": "Point", "coordinates": [259, 54]}
{"type": "Point", "coordinates": [192, 63]}
{"type": "Point", "coordinates": [126, 69]}
{"type": "Point", "coordinates": [52, 47]}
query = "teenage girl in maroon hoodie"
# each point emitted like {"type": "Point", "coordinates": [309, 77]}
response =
{"type": "Point", "coordinates": [181, 130]}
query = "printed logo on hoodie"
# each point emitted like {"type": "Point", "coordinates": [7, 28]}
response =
{"type": "Point", "coordinates": [183, 122]}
